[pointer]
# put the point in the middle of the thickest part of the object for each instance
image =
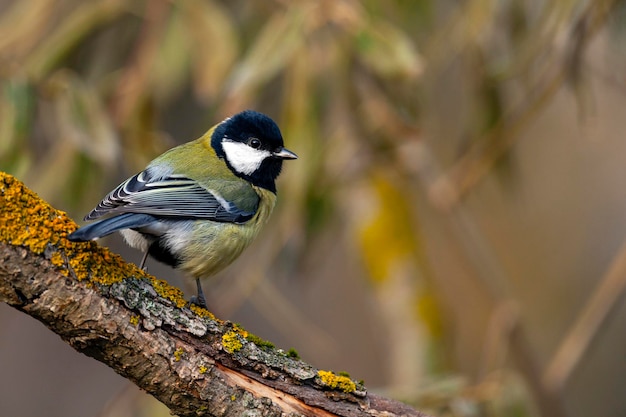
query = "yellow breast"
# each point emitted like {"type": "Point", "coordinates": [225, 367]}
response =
{"type": "Point", "coordinates": [213, 246]}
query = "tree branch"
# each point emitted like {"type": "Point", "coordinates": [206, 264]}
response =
{"type": "Point", "coordinates": [142, 328]}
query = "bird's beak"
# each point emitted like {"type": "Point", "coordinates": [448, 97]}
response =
{"type": "Point", "coordinates": [284, 153]}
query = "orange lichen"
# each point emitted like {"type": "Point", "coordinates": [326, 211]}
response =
{"type": "Point", "coordinates": [30, 222]}
{"type": "Point", "coordinates": [243, 332]}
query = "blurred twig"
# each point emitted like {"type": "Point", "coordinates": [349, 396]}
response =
{"type": "Point", "coordinates": [479, 160]}
{"type": "Point", "coordinates": [581, 334]}
{"type": "Point", "coordinates": [131, 85]}
{"type": "Point", "coordinates": [79, 22]}
{"type": "Point", "coordinates": [493, 277]}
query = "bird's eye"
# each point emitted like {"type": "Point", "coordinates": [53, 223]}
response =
{"type": "Point", "coordinates": [254, 143]}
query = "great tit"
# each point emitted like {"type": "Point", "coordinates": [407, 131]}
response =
{"type": "Point", "coordinates": [199, 205]}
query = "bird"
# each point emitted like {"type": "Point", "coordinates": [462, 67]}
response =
{"type": "Point", "coordinates": [197, 206]}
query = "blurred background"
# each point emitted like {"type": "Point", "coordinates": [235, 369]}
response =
{"type": "Point", "coordinates": [453, 232]}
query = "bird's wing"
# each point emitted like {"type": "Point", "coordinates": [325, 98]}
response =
{"type": "Point", "coordinates": [170, 196]}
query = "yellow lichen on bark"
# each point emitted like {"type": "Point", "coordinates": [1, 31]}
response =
{"type": "Point", "coordinates": [202, 312]}
{"type": "Point", "coordinates": [231, 342]}
{"type": "Point", "coordinates": [339, 382]}
{"type": "Point", "coordinates": [178, 354]}
{"type": "Point", "coordinates": [28, 221]}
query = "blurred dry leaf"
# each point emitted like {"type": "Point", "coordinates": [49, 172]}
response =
{"type": "Point", "coordinates": [22, 26]}
{"type": "Point", "coordinates": [16, 114]}
{"type": "Point", "coordinates": [214, 45]}
{"type": "Point", "coordinates": [82, 120]}
{"type": "Point", "coordinates": [74, 27]}
{"type": "Point", "coordinates": [172, 58]}
{"type": "Point", "coordinates": [465, 28]}
{"type": "Point", "coordinates": [388, 51]}
{"type": "Point", "coordinates": [272, 48]}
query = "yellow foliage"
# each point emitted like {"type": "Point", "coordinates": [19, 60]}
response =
{"type": "Point", "coordinates": [388, 237]}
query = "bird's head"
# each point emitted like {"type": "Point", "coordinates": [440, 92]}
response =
{"type": "Point", "coordinates": [252, 146]}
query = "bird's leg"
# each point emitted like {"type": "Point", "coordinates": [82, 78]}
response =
{"type": "Point", "coordinates": [143, 262]}
{"type": "Point", "coordinates": [199, 300]}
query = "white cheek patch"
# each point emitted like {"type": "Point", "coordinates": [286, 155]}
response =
{"type": "Point", "coordinates": [243, 158]}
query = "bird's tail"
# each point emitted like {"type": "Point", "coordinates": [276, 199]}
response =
{"type": "Point", "coordinates": [107, 226]}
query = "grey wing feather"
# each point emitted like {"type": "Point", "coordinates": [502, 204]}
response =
{"type": "Point", "coordinates": [107, 226]}
{"type": "Point", "coordinates": [170, 196]}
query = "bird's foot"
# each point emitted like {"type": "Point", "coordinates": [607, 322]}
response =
{"type": "Point", "coordinates": [199, 300]}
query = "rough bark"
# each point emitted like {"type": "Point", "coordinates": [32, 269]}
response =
{"type": "Point", "coordinates": [140, 327]}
